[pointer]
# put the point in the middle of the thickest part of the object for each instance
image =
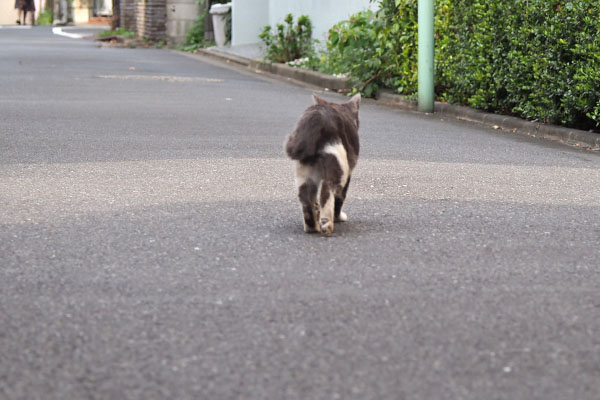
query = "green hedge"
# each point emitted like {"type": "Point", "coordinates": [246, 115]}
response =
{"type": "Point", "coordinates": [538, 59]}
{"type": "Point", "coordinates": [376, 50]}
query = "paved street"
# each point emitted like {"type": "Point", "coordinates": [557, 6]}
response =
{"type": "Point", "coordinates": [151, 243]}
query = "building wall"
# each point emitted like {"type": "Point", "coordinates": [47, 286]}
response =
{"type": "Point", "coordinates": [181, 15]}
{"type": "Point", "coordinates": [323, 14]}
{"type": "Point", "coordinates": [81, 11]}
{"type": "Point", "coordinates": [9, 15]}
{"type": "Point", "coordinates": [128, 15]}
{"type": "Point", "coordinates": [151, 19]}
{"type": "Point", "coordinates": [250, 16]}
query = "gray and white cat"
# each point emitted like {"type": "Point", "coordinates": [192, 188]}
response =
{"type": "Point", "coordinates": [325, 147]}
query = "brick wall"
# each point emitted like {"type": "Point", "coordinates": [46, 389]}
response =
{"type": "Point", "coordinates": [146, 17]}
{"type": "Point", "coordinates": [127, 18]}
{"type": "Point", "coordinates": [151, 19]}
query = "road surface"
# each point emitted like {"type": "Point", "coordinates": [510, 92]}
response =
{"type": "Point", "coordinates": [151, 243]}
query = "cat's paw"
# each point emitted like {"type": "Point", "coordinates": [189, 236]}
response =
{"type": "Point", "coordinates": [326, 226]}
{"type": "Point", "coordinates": [342, 217]}
{"type": "Point", "coordinates": [312, 229]}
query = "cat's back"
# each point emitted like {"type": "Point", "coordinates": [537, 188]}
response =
{"type": "Point", "coordinates": [320, 125]}
{"type": "Point", "coordinates": [340, 125]}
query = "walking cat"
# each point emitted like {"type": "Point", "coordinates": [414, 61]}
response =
{"type": "Point", "coordinates": [325, 147]}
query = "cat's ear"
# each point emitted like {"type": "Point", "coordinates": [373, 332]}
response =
{"type": "Point", "coordinates": [354, 102]}
{"type": "Point", "coordinates": [318, 101]}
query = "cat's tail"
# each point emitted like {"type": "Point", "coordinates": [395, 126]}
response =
{"type": "Point", "coordinates": [302, 144]}
{"type": "Point", "coordinates": [297, 148]}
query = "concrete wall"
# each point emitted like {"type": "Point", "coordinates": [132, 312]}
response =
{"type": "Point", "coordinates": [181, 15]}
{"type": "Point", "coordinates": [82, 11]}
{"type": "Point", "coordinates": [9, 15]}
{"type": "Point", "coordinates": [323, 14]}
{"type": "Point", "coordinates": [250, 16]}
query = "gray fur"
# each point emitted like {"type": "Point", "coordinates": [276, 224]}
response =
{"type": "Point", "coordinates": [325, 147]}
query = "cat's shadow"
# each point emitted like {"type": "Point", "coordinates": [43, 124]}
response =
{"type": "Point", "coordinates": [350, 229]}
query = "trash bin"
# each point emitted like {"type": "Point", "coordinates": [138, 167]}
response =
{"type": "Point", "coordinates": [218, 12]}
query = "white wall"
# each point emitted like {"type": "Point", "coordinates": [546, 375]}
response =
{"type": "Point", "coordinates": [9, 15]}
{"type": "Point", "coordinates": [323, 13]}
{"type": "Point", "coordinates": [250, 16]}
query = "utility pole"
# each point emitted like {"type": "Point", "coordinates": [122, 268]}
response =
{"type": "Point", "coordinates": [426, 55]}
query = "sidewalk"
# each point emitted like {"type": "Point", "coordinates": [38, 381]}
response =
{"type": "Point", "coordinates": [251, 56]}
{"type": "Point", "coordinates": [82, 31]}
{"type": "Point", "coordinates": [253, 51]}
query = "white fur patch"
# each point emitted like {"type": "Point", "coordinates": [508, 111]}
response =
{"type": "Point", "coordinates": [327, 208]}
{"type": "Point", "coordinates": [326, 218]}
{"type": "Point", "coordinates": [337, 149]}
{"type": "Point", "coordinates": [305, 173]}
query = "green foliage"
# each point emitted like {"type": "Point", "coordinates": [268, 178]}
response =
{"type": "Point", "coordinates": [160, 44]}
{"type": "Point", "coordinates": [194, 37]}
{"type": "Point", "coordinates": [228, 26]}
{"type": "Point", "coordinates": [289, 42]}
{"type": "Point", "coordinates": [376, 49]}
{"type": "Point", "coordinates": [118, 32]}
{"type": "Point", "coordinates": [538, 59]}
{"type": "Point", "coordinates": [352, 47]}
{"type": "Point", "coordinates": [46, 17]}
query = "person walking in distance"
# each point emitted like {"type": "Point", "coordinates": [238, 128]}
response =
{"type": "Point", "coordinates": [24, 6]}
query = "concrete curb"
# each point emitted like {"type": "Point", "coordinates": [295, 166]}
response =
{"type": "Point", "coordinates": [573, 137]}
{"type": "Point", "coordinates": [303, 75]}
{"type": "Point", "coordinates": [311, 77]}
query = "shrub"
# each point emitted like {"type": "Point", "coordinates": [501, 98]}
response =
{"type": "Point", "coordinates": [289, 42]}
{"type": "Point", "coordinates": [352, 48]}
{"type": "Point", "coordinates": [194, 36]}
{"type": "Point", "coordinates": [376, 49]}
{"type": "Point", "coordinates": [118, 32]}
{"type": "Point", "coordinates": [46, 17]}
{"type": "Point", "coordinates": [538, 59]}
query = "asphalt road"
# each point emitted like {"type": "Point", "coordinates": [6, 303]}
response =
{"type": "Point", "coordinates": [151, 244]}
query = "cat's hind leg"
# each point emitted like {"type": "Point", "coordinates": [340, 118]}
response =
{"type": "Point", "coordinates": [336, 178]}
{"type": "Point", "coordinates": [337, 174]}
{"type": "Point", "coordinates": [307, 194]}
{"type": "Point", "coordinates": [327, 203]}
{"type": "Point", "coordinates": [341, 216]}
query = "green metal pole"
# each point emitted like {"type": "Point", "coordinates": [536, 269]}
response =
{"type": "Point", "coordinates": [425, 71]}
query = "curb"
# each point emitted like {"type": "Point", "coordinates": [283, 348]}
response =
{"type": "Point", "coordinates": [303, 75]}
{"type": "Point", "coordinates": [307, 76]}
{"type": "Point", "coordinates": [573, 137]}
